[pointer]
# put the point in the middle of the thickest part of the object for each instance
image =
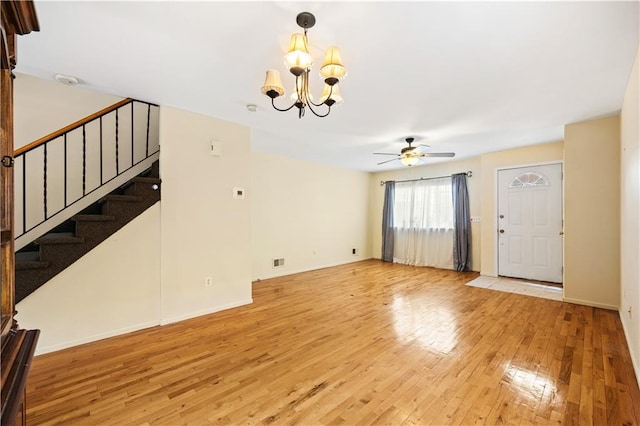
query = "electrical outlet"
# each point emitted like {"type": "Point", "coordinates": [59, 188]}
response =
{"type": "Point", "coordinates": [355, 252]}
{"type": "Point", "coordinates": [208, 282]}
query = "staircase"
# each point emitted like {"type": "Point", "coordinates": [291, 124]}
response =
{"type": "Point", "coordinates": [79, 185]}
{"type": "Point", "coordinates": [50, 254]}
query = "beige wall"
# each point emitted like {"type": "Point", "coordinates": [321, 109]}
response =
{"type": "Point", "coordinates": [113, 289]}
{"type": "Point", "coordinates": [630, 215]}
{"type": "Point", "coordinates": [310, 214]}
{"type": "Point", "coordinates": [428, 170]}
{"type": "Point", "coordinates": [592, 212]}
{"type": "Point", "coordinates": [490, 163]}
{"type": "Point", "coordinates": [205, 231]}
{"type": "Point", "coordinates": [44, 106]}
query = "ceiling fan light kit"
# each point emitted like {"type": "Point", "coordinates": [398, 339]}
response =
{"type": "Point", "coordinates": [412, 155]}
{"type": "Point", "coordinates": [299, 62]}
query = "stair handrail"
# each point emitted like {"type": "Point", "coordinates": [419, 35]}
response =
{"type": "Point", "coordinates": [61, 135]}
{"type": "Point", "coordinates": [53, 135]}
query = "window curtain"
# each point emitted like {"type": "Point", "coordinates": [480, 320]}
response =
{"type": "Point", "coordinates": [461, 223]}
{"type": "Point", "coordinates": [423, 223]}
{"type": "Point", "coordinates": [387, 222]}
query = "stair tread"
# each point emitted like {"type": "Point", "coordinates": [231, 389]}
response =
{"type": "Point", "coordinates": [59, 238]}
{"type": "Point", "coordinates": [93, 218]}
{"type": "Point", "coordinates": [146, 179]}
{"type": "Point", "coordinates": [115, 197]}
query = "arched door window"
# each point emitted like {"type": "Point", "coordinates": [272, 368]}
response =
{"type": "Point", "coordinates": [529, 179]}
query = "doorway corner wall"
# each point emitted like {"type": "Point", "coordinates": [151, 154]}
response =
{"type": "Point", "coordinates": [592, 212]}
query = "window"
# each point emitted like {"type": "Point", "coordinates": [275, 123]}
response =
{"type": "Point", "coordinates": [529, 179]}
{"type": "Point", "coordinates": [423, 204]}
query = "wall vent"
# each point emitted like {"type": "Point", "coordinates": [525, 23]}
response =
{"type": "Point", "coordinates": [278, 263]}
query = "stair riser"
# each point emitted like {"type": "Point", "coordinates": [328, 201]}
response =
{"type": "Point", "coordinates": [142, 189]}
{"type": "Point", "coordinates": [126, 210]}
{"type": "Point", "coordinates": [57, 254]}
{"type": "Point", "coordinates": [97, 230]}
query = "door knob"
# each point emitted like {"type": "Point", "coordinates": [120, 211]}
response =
{"type": "Point", "coordinates": [502, 231]}
{"type": "Point", "coordinates": [561, 232]}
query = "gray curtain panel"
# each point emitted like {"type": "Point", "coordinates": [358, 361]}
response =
{"type": "Point", "coordinates": [461, 223]}
{"type": "Point", "coordinates": [387, 221]}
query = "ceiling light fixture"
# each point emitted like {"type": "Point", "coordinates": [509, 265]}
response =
{"type": "Point", "coordinates": [409, 160]}
{"type": "Point", "coordinates": [66, 79]}
{"type": "Point", "coordinates": [299, 62]}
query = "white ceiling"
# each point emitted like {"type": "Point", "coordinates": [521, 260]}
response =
{"type": "Point", "coordinates": [469, 77]}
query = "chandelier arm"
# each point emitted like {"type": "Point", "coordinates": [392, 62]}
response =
{"type": "Point", "coordinates": [281, 110]}
{"type": "Point", "coordinates": [319, 115]}
{"type": "Point", "coordinates": [322, 103]}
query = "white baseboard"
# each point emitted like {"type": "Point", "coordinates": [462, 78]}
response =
{"type": "Point", "coordinates": [189, 315]}
{"type": "Point", "coordinates": [590, 303]}
{"type": "Point", "coordinates": [64, 345]}
{"type": "Point", "coordinates": [283, 272]}
{"type": "Point", "coordinates": [634, 356]}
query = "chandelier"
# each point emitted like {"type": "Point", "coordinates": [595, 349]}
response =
{"type": "Point", "coordinates": [299, 62]}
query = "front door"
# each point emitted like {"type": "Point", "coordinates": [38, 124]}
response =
{"type": "Point", "coordinates": [530, 223]}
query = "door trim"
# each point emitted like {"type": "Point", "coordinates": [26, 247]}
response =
{"type": "Point", "coordinates": [496, 208]}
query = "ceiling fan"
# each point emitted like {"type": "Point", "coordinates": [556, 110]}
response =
{"type": "Point", "coordinates": [412, 155]}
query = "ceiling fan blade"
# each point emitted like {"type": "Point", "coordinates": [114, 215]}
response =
{"type": "Point", "coordinates": [420, 149]}
{"type": "Point", "coordinates": [383, 153]}
{"type": "Point", "coordinates": [436, 154]}
{"type": "Point", "coordinates": [393, 159]}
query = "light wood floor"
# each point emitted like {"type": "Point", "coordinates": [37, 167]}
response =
{"type": "Point", "coordinates": [365, 343]}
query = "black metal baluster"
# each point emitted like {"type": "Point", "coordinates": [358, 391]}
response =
{"type": "Point", "coordinates": [117, 166]}
{"type": "Point", "coordinates": [44, 162]}
{"type": "Point", "coordinates": [65, 170]}
{"type": "Point", "coordinates": [101, 151]}
{"type": "Point", "coordinates": [148, 120]}
{"type": "Point", "coordinates": [132, 135]}
{"type": "Point", "coordinates": [84, 162]}
{"type": "Point", "coordinates": [24, 193]}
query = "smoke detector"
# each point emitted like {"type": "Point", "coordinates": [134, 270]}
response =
{"type": "Point", "coordinates": [66, 79]}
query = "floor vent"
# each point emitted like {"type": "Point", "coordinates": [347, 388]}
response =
{"type": "Point", "coordinates": [278, 263]}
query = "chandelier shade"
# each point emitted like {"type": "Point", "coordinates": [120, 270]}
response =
{"type": "Point", "coordinates": [331, 95]}
{"type": "Point", "coordinates": [332, 68]}
{"type": "Point", "coordinates": [299, 62]}
{"type": "Point", "coordinates": [298, 59]}
{"type": "Point", "coordinates": [272, 84]}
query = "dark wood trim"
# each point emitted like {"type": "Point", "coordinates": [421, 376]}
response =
{"type": "Point", "coordinates": [19, 17]}
{"type": "Point", "coordinates": [71, 126]}
{"type": "Point", "coordinates": [4, 50]}
{"type": "Point", "coordinates": [6, 201]}
{"type": "Point", "coordinates": [17, 352]}
{"type": "Point", "coordinates": [16, 346]}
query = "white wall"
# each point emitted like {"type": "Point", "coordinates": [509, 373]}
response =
{"type": "Point", "coordinates": [428, 170]}
{"type": "Point", "coordinates": [630, 215]}
{"type": "Point", "coordinates": [310, 214]}
{"type": "Point", "coordinates": [205, 232]}
{"type": "Point", "coordinates": [592, 212]}
{"type": "Point", "coordinates": [113, 289]}
{"type": "Point", "coordinates": [153, 270]}
{"type": "Point", "coordinates": [44, 106]}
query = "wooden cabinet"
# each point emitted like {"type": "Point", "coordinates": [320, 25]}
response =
{"type": "Point", "coordinates": [17, 346]}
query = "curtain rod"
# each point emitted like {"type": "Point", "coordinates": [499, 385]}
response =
{"type": "Point", "coordinates": [382, 182]}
